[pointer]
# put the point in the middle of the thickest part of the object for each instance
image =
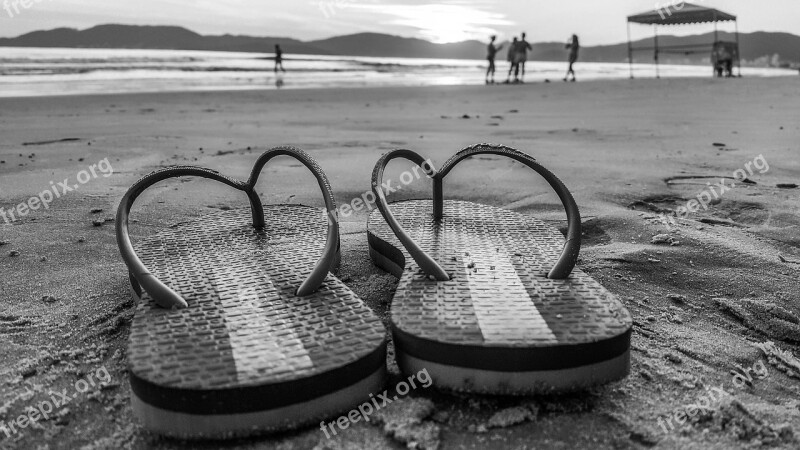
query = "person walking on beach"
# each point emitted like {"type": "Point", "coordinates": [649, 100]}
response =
{"type": "Point", "coordinates": [491, 52]}
{"type": "Point", "coordinates": [278, 58]}
{"type": "Point", "coordinates": [513, 61]}
{"type": "Point", "coordinates": [573, 48]}
{"type": "Point", "coordinates": [522, 54]}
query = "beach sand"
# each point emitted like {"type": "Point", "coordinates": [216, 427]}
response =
{"type": "Point", "coordinates": [698, 306]}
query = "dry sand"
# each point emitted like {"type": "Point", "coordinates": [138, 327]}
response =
{"type": "Point", "coordinates": [699, 307]}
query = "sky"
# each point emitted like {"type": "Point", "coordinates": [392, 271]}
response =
{"type": "Point", "coordinates": [596, 22]}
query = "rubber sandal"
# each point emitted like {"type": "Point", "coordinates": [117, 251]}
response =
{"type": "Point", "coordinates": [489, 300]}
{"type": "Point", "coordinates": [240, 328]}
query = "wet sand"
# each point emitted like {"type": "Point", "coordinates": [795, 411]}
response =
{"type": "Point", "coordinates": [627, 150]}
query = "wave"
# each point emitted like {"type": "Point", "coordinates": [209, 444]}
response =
{"type": "Point", "coordinates": [62, 60]}
{"type": "Point", "coordinates": [58, 70]}
{"type": "Point", "coordinates": [40, 71]}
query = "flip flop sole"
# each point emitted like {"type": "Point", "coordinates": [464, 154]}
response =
{"type": "Point", "coordinates": [247, 355]}
{"type": "Point", "coordinates": [224, 426]}
{"type": "Point", "coordinates": [499, 325]}
{"type": "Point", "coordinates": [457, 378]}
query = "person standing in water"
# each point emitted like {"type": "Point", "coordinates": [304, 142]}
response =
{"type": "Point", "coordinates": [522, 55]}
{"type": "Point", "coordinates": [491, 52]}
{"type": "Point", "coordinates": [573, 48]}
{"type": "Point", "coordinates": [513, 61]}
{"type": "Point", "coordinates": [278, 58]}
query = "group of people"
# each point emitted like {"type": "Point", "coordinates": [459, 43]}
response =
{"type": "Point", "coordinates": [518, 55]}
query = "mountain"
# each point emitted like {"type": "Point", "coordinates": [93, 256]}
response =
{"type": "Point", "coordinates": [154, 37]}
{"type": "Point", "coordinates": [375, 44]}
{"type": "Point", "coordinates": [758, 48]}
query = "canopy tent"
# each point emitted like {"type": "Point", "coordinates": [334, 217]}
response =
{"type": "Point", "coordinates": [680, 14]}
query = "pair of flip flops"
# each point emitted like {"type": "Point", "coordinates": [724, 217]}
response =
{"type": "Point", "coordinates": [242, 329]}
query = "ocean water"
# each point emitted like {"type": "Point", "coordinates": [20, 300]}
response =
{"type": "Point", "coordinates": [27, 72]}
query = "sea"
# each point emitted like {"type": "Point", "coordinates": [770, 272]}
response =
{"type": "Point", "coordinates": [33, 72]}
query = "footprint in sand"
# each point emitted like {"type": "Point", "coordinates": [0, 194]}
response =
{"type": "Point", "coordinates": [764, 316]}
{"type": "Point", "coordinates": [12, 325]}
{"type": "Point", "coordinates": [592, 233]}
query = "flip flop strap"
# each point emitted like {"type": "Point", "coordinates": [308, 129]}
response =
{"type": "Point", "coordinates": [425, 261]}
{"type": "Point", "coordinates": [569, 254]}
{"type": "Point", "coordinates": [164, 295]}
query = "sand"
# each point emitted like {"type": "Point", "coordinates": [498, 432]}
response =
{"type": "Point", "coordinates": [699, 307]}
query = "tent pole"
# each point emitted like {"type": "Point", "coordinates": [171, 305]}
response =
{"type": "Point", "coordinates": [655, 55]}
{"type": "Point", "coordinates": [714, 46]}
{"type": "Point", "coordinates": [630, 51]}
{"type": "Point", "coordinates": [738, 54]}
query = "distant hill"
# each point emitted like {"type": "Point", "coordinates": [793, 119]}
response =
{"type": "Point", "coordinates": [757, 48]}
{"type": "Point", "coordinates": [154, 37]}
{"type": "Point", "coordinates": [376, 44]}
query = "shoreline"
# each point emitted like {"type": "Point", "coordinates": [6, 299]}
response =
{"type": "Point", "coordinates": [41, 72]}
{"type": "Point", "coordinates": [306, 89]}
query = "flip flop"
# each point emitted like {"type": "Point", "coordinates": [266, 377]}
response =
{"type": "Point", "coordinates": [240, 328]}
{"type": "Point", "coordinates": [489, 300]}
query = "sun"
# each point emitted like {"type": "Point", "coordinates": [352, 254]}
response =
{"type": "Point", "coordinates": [444, 23]}
{"type": "Point", "coordinates": [441, 32]}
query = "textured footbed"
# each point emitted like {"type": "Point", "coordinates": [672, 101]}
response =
{"type": "Point", "coordinates": [248, 355]}
{"type": "Point", "coordinates": [499, 325]}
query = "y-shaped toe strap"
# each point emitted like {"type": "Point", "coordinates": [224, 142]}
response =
{"type": "Point", "coordinates": [164, 295]}
{"type": "Point", "coordinates": [569, 255]}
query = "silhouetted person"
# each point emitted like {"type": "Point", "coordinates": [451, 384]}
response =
{"type": "Point", "coordinates": [491, 52]}
{"type": "Point", "coordinates": [513, 60]}
{"type": "Point", "coordinates": [722, 57]}
{"type": "Point", "coordinates": [278, 58]}
{"type": "Point", "coordinates": [573, 48]}
{"type": "Point", "coordinates": [522, 54]}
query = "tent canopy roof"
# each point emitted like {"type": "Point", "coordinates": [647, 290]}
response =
{"type": "Point", "coordinates": [681, 13]}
